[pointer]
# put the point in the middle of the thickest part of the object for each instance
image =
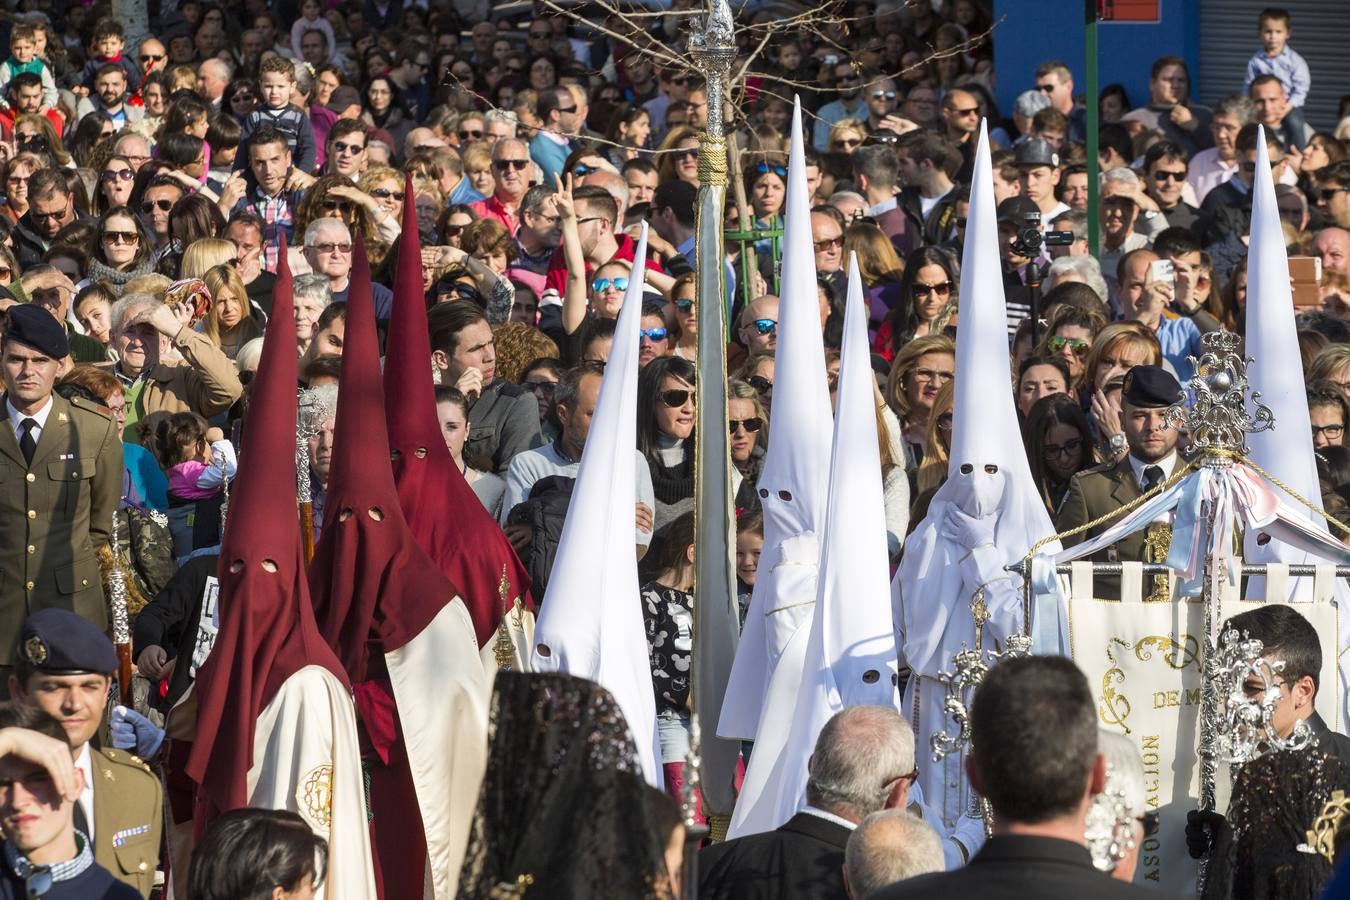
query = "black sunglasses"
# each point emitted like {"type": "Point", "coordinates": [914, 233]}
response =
{"type": "Point", "coordinates": [759, 383]}
{"type": "Point", "coordinates": [148, 206]}
{"type": "Point", "coordinates": [751, 425]}
{"type": "Point", "coordinates": [675, 398]}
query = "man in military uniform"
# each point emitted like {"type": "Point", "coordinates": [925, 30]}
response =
{"type": "Point", "coordinates": [60, 481]}
{"type": "Point", "coordinates": [64, 666]}
{"type": "Point", "coordinates": [1152, 458]}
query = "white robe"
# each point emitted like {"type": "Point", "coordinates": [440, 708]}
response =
{"type": "Point", "coordinates": [306, 759]}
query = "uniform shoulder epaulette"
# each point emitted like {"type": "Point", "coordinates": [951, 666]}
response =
{"type": "Point", "coordinates": [81, 403]}
{"type": "Point", "coordinates": [123, 758]}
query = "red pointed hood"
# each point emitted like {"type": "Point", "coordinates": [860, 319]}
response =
{"type": "Point", "coordinates": [267, 628]}
{"type": "Point", "coordinates": [370, 579]}
{"type": "Point", "coordinates": [446, 517]}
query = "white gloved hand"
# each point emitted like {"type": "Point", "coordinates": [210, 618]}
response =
{"type": "Point", "coordinates": [969, 531]}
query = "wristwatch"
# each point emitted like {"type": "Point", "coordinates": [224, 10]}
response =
{"type": "Point", "coordinates": [1116, 443]}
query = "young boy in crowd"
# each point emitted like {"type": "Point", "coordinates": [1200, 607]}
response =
{"type": "Point", "coordinates": [1277, 58]}
{"type": "Point", "coordinates": [276, 79]}
{"type": "Point", "coordinates": [23, 57]}
{"type": "Point", "coordinates": [109, 42]}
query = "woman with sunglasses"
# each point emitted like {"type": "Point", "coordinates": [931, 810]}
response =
{"type": "Point", "coordinates": [384, 187]}
{"type": "Point", "coordinates": [34, 133]}
{"type": "Point", "coordinates": [927, 301]}
{"type": "Point", "coordinates": [749, 425]}
{"type": "Point", "coordinates": [682, 297]}
{"type": "Point", "coordinates": [665, 427]}
{"type": "Point", "coordinates": [114, 184]}
{"type": "Point", "coordinates": [677, 157]}
{"type": "Point", "coordinates": [846, 136]}
{"type": "Point", "coordinates": [334, 196]}
{"type": "Point", "coordinates": [1059, 446]}
{"type": "Point", "coordinates": [16, 173]}
{"type": "Point", "coordinates": [1068, 336]}
{"type": "Point", "coordinates": [937, 448]}
{"type": "Point", "coordinates": [121, 249]}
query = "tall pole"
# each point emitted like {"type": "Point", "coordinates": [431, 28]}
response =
{"type": "Point", "coordinates": [716, 614]}
{"type": "Point", "coordinates": [1092, 105]}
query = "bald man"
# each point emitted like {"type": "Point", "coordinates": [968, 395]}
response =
{"type": "Point", "coordinates": [886, 847]}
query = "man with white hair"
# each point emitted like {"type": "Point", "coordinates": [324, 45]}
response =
{"type": "Point", "coordinates": [863, 762]}
{"type": "Point", "coordinates": [889, 846]}
{"type": "Point", "coordinates": [328, 250]}
{"type": "Point", "coordinates": [214, 76]}
{"type": "Point", "coordinates": [510, 177]}
{"type": "Point", "coordinates": [499, 124]}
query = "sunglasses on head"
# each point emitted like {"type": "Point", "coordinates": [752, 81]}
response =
{"type": "Point", "coordinates": [503, 165]}
{"type": "Point", "coordinates": [759, 383]}
{"type": "Point", "coordinates": [600, 285]}
{"type": "Point", "coordinates": [1079, 346]}
{"type": "Point", "coordinates": [656, 335]}
{"type": "Point", "coordinates": [765, 168]}
{"type": "Point", "coordinates": [385, 194]}
{"type": "Point", "coordinates": [675, 398]}
{"type": "Point", "coordinates": [148, 206]}
{"type": "Point", "coordinates": [765, 326]}
{"type": "Point", "coordinates": [751, 425]}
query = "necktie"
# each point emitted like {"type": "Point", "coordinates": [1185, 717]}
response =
{"type": "Point", "coordinates": [1153, 476]}
{"type": "Point", "coordinates": [27, 443]}
{"type": "Point", "coordinates": [81, 820]}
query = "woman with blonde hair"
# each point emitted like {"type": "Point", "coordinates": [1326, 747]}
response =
{"type": "Point", "coordinates": [1118, 348]}
{"type": "Point", "coordinates": [923, 367]}
{"type": "Point", "coordinates": [206, 253]}
{"type": "Point", "coordinates": [230, 323]}
{"type": "Point", "coordinates": [1332, 364]}
{"type": "Point", "coordinates": [16, 172]}
{"type": "Point", "coordinates": [677, 157]}
{"type": "Point", "coordinates": [34, 133]}
{"type": "Point", "coordinates": [937, 446]}
{"type": "Point", "coordinates": [846, 136]}
{"type": "Point", "coordinates": [879, 266]}
{"type": "Point", "coordinates": [749, 424]}
{"type": "Point", "coordinates": [333, 196]}
{"type": "Point", "coordinates": [478, 167]}
{"type": "Point", "coordinates": [384, 186]}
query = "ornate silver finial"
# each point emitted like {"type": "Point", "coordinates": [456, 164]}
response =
{"type": "Point", "coordinates": [1247, 729]}
{"type": "Point", "coordinates": [1109, 824]}
{"type": "Point", "coordinates": [117, 587]}
{"type": "Point", "coordinates": [969, 667]}
{"type": "Point", "coordinates": [1219, 420]}
{"type": "Point", "coordinates": [718, 32]}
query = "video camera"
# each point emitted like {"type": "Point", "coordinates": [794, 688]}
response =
{"type": "Point", "coordinates": [1030, 238]}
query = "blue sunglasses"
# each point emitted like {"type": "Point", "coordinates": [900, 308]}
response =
{"type": "Point", "coordinates": [600, 285]}
{"type": "Point", "coordinates": [656, 335]}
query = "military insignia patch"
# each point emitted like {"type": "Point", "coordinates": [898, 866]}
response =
{"type": "Point", "coordinates": [35, 650]}
{"type": "Point", "coordinates": [315, 797]}
{"type": "Point", "coordinates": [120, 838]}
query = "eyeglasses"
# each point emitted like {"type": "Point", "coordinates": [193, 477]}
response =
{"type": "Point", "coordinates": [932, 375]}
{"type": "Point", "coordinates": [121, 237]}
{"type": "Point", "coordinates": [112, 175]}
{"type": "Point", "coordinates": [942, 289]}
{"type": "Point", "coordinates": [764, 326]}
{"type": "Point", "coordinates": [883, 95]}
{"type": "Point", "coordinates": [1068, 449]}
{"type": "Point", "coordinates": [847, 142]}
{"type": "Point", "coordinates": [655, 335]}
{"type": "Point", "coordinates": [675, 398]}
{"type": "Point", "coordinates": [344, 147]}
{"type": "Point", "coordinates": [583, 170]}
{"type": "Point", "coordinates": [750, 425]}
{"type": "Point", "coordinates": [45, 216]}
{"type": "Point", "coordinates": [827, 244]}
{"type": "Point", "coordinates": [684, 306]}
{"type": "Point", "coordinates": [1326, 194]}
{"type": "Point", "coordinates": [688, 153]}
{"type": "Point", "coordinates": [567, 109]}
{"type": "Point", "coordinates": [600, 285]}
{"type": "Point", "coordinates": [150, 206]}
{"type": "Point", "coordinates": [503, 165]}
{"type": "Point", "coordinates": [1079, 346]}
{"type": "Point", "coordinates": [1250, 167]}
{"type": "Point", "coordinates": [1333, 432]}
{"type": "Point", "coordinates": [1161, 176]}
{"type": "Point", "coordinates": [972, 111]}
{"type": "Point", "coordinates": [761, 384]}
{"type": "Point", "coordinates": [242, 97]}
{"type": "Point", "coordinates": [765, 168]}
{"type": "Point", "coordinates": [584, 219]}
{"type": "Point", "coordinates": [385, 194]}
{"type": "Point", "coordinates": [342, 206]}
{"type": "Point", "coordinates": [470, 134]}
{"type": "Point", "coordinates": [1046, 88]}
{"type": "Point", "coordinates": [332, 246]}
{"type": "Point", "coordinates": [152, 57]}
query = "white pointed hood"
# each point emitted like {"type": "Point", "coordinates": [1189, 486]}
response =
{"type": "Point", "coordinates": [850, 656]}
{"type": "Point", "coordinates": [590, 621]}
{"type": "Point", "coordinates": [792, 483]}
{"type": "Point", "coordinates": [985, 432]}
{"type": "Point", "coordinates": [1285, 451]}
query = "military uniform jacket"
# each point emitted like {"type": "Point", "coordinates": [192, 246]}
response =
{"type": "Point", "coordinates": [1094, 493]}
{"type": "Point", "coordinates": [54, 513]}
{"type": "Point", "coordinates": [128, 817]}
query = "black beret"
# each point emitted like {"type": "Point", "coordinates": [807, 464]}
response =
{"type": "Point", "coordinates": [1150, 387]}
{"type": "Point", "coordinates": [34, 326]}
{"type": "Point", "coordinates": [61, 642]}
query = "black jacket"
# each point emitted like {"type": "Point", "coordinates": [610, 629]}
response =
{"type": "Point", "coordinates": [1333, 742]}
{"type": "Point", "coordinates": [172, 621]}
{"type": "Point", "coordinates": [1020, 867]}
{"type": "Point", "coordinates": [804, 858]}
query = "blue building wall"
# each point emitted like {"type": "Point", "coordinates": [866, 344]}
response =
{"type": "Point", "coordinates": [1033, 31]}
